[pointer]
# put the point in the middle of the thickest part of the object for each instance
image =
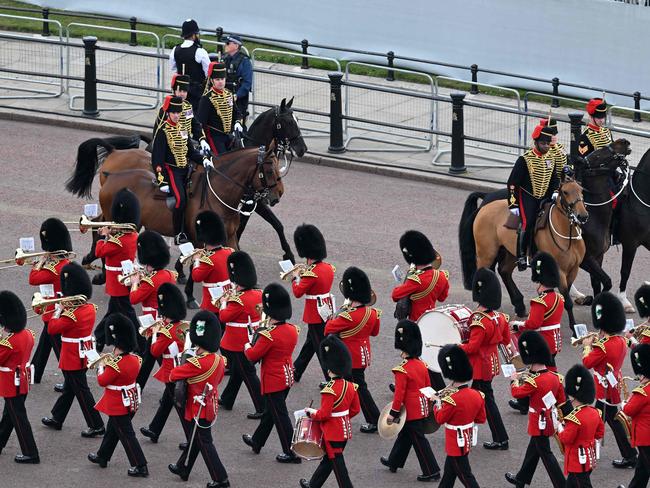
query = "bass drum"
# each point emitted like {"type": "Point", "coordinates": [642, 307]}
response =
{"type": "Point", "coordinates": [440, 326]}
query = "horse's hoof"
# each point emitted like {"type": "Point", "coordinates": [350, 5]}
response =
{"type": "Point", "coordinates": [87, 259]}
{"type": "Point", "coordinates": [586, 300]}
{"type": "Point", "coordinates": [521, 313]}
{"type": "Point", "coordinates": [289, 257]}
{"type": "Point", "coordinates": [192, 304]}
{"type": "Point", "coordinates": [181, 280]}
{"type": "Point", "coordinates": [99, 279]}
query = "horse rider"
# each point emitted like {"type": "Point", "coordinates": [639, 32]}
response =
{"type": "Point", "coordinates": [239, 73]}
{"type": "Point", "coordinates": [532, 180]}
{"type": "Point", "coordinates": [170, 157]}
{"type": "Point", "coordinates": [218, 113]}
{"type": "Point", "coordinates": [557, 150]}
{"type": "Point", "coordinates": [189, 58]}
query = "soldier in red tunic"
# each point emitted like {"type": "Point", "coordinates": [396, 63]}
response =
{"type": "Point", "coordinates": [580, 429]}
{"type": "Point", "coordinates": [339, 403]}
{"type": "Point", "coordinates": [411, 375]}
{"type": "Point", "coordinates": [203, 373]}
{"type": "Point", "coordinates": [459, 410]}
{"type": "Point", "coordinates": [273, 346]}
{"type": "Point", "coordinates": [315, 284]}
{"type": "Point", "coordinates": [75, 325]}
{"type": "Point", "coordinates": [121, 397]}
{"type": "Point", "coordinates": [486, 325]}
{"type": "Point", "coordinates": [16, 344]}
{"type": "Point", "coordinates": [355, 323]}
{"type": "Point", "coordinates": [239, 314]}
{"type": "Point", "coordinates": [545, 390]}
{"type": "Point", "coordinates": [115, 248]}
{"type": "Point", "coordinates": [605, 356]}
{"type": "Point", "coordinates": [210, 267]}
{"type": "Point", "coordinates": [47, 271]}
{"type": "Point", "coordinates": [642, 302]}
{"type": "Point", "coordinates": [167, 343]}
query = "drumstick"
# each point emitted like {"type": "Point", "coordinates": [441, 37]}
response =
{"type": "Point", "coordinates": [431, 344]}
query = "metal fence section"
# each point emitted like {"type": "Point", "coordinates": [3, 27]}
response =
{"type": "Point", "coordinates": [19, 55]}
{"type": "Point", "coordinates": [378, 107]}
{"type": "Point", "coordinates": [637, 134]}
{"type": "Point", "coordinates": [139, 75]}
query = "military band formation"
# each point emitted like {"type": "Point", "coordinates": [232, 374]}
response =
{"type": "Point", "coordinates": [240, 325]}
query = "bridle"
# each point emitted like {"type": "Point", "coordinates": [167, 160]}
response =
{"type": "Point", "coordinates": [568, 209]}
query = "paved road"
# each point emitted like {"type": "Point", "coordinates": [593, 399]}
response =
{"type": "Point", "coordinates": [362, 217]}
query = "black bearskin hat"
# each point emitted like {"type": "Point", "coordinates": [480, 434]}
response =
{"type": "Point", "coordinates": [75, 281]}
{"type": "Point", "coordinates": [336, 356]}
{"type": "Point", "coordinates": [533, 348]}
{"type": "Point", "coordinates": [408, 338]}
{"type": "Point", "coordinates": [417, 248]}
{"type": "Point", "coordinates": [153, 250]}
{"type": "Point", "coordinates": [310, 243]}
{"type": "Point", "coordinates": [607, 313]}
{"type": "Point", "coordinates": [171, 303]}
{"type": "Point", "coordinates": [276, 302]}
{"type": "Point", "coordinates": [210, 229]}
{"type": "Point", "coordinates": [126, 208]}
{"type": "Point", "coordinates": [241, 270]}
{"type": "Point", "coordinates": [13, 316]}
{"type": "Point", "coordinates": [579, 383]}
{"type": "Point", "coordinates": [205, 331]}
{"type": "Point", "coordinates": [545, 270]}
{"type": "Point", "coordinates": [640, 357]}
{"type": "Point", "coordinates": [642, 301]}
{"type": "Point", "coordinates": [355, 285]}
{"type": "Point", "coordinates": [55, 236]}
{"type": "Point", "coordinates": [486, 289]}
{"type": "Point", "coordinates": [454, 363]}
{"type": "Point", "coordinates": [120, 332]}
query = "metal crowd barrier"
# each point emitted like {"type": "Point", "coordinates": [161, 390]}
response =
{"type": "Point", "coordinates": [637, 134]}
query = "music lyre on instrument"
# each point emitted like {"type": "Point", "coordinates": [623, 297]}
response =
{"type": "Point", "coordinates": [39, 303]}
{"type": "Point", "coordinates": [85, 224]}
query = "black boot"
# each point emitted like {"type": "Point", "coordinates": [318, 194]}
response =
{"type": "Point", "coordinates": [178, 218]}
{"type": "Point", "coordinates": [522, 258]}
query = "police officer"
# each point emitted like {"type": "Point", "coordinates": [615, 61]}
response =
{"type": "Point", "coordinates": [189, 58]}
{"type": "Point", "coordinates": [239, 73]}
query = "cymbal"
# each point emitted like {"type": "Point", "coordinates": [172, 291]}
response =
{"type": "Point", "coordinates": [387, 431]}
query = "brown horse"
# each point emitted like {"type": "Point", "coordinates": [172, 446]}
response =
{"type": "Point", "coordinates": [485, 241]}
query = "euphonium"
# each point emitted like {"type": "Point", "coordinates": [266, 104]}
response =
{"type": "Point", "coordinates": [39, 303]}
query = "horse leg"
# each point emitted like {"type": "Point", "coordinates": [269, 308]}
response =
{"type": "Point", "coordinates": [506, 265]}
{"type": "Point", "coordinates": [565, 286]}
{"type": "Point", "coordinates": [629, 252]}
{"type": "Point", "coordinates": [178, 267]}
{"type": "Point", "coordinates": [192, 304]}
{"type": "Point", "coordinates": [243, 220]}
{"type": "Point", "coordinates": [590, 265]}
{"type": "Point", "coordinates": [264, 211]}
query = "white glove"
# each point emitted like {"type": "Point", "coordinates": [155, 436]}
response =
{"type": "Point", "coordinates": [514, 211]}
{"type": "Point", "coordinates": [207, 164]}
{"type": "Point", "coordinates": [238, 128]}
{"type": "Point", "coordinates": [554, 196]}
{"type": "Point", "coordinates": [205, 147]}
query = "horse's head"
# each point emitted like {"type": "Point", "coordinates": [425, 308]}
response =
{"type": "Point", "coordinates": [572, 201]}
{"type": "Point", "coordinates": [268, 180]}
{"type": "Point", "coordinates": [608, 158]}
{"type": "Point", "coordinates": [286, 129]}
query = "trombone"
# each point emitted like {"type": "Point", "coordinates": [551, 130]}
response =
{"type": "Point", "coordinates": [300, 267]}
{"type": "Point", "coordinates": [85, 224]}
{"type": "Point", "coordinates": [21, 257]}
{"type": "Point", "coordinates": [580, 341]}
{"type": "Point", "coordinates": [39, 304]}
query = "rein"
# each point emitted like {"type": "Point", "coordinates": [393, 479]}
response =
{"type": "Point", "coordinates": [616, 195]}
{"type": "Point", "coordinates": [566, 209]}
{"type": "Point", "coordinates": [634, 191]}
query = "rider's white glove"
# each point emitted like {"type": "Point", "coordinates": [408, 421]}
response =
{"type": "Point", "coordinates": [205, 147]}
{"type": "Point", "coordinates": [554, 196]}
{"type": "Point", "coordinates": [238, 128]}
{"type": "Point", "coordinates": [514, 211]}
{"type": "Point", "coordinates": [207, 164]}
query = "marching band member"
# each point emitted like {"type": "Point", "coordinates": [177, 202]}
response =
{"type": "Point", "coordinates": [315, 284]}
{"type": "Point", "coordinates": [239, 312]}
{"type": "Point", "coordinates": [581, 428]}
{"type": "Point", "coordinates": [203, 373]}
{"type": "Point", "coordinates": [486, 326]}
{"type": "Point", "coordinates": [115, 248]}
{"type": "Point", "coordinates": [121, 397]}
{"type": "Point", "coordinates": [167, 342]}
{"type": "Point", "coordinates": [75, 325]}
{"type": "Point", "coordinates": [153, 254]}
{"type": "Point", "coordinates": [354, 324]}
{"type": "Point", "coordinates": [605, 356]}
{"type": "Point", "coordinates": [339, 403]}
{"type": "Point", "coordinates": [273, 346]}
{"type": "Point", "coordinates": [54, 237]}
{"type": "Point", "coordinates": [459, 410]}
{"type": "Point", "coordinates": [210, 266]}
{"type": "Point", "coordinates": [642, 302]}
{"type": "Point", "coordinates": [16, 344]}
{"type": "Point", "coordinates": [545, 390]}
{"type": "Point", "coordinates": [411, 375]}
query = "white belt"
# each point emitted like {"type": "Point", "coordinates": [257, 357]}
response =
{"type": "Point", "coordinates": [341, 414]}
{"type": "Point", "coordinates": [549, 327]}
{"type": "Point", "coordinates": [316, 297]}
{"type": "Point", "coordinates": [149, 309]}
{"type": "Point", "coordinates": [461, 427]}
{"type": "Point", "coordinates": [4, 369]}
{"type": "Point", "coordinates": [242, 325]}
{"type": "Point", "coordinates": [214, 285]}
{"type": "Point", "coordinates": [118, 388]}
{"type": "Point", "coordinates": [117, 269]}
{"type": "Point", "coordinates": [75, 340]}
{"type": "Point", "coordinates": [168, 356]}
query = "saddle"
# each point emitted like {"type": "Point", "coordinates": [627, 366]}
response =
{"type": "Point", "coordinates": [513, 221]}
{"type": "Point", "coordinates": [169, 197]}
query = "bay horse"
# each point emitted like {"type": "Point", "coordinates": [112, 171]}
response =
{"type": "Point", "coordinates": [486, 242]}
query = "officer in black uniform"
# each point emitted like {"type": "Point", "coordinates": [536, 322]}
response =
{"type": "Point", "coordinates": [239, 73]}
{"type": "Point", "coordinates": [189, 58]}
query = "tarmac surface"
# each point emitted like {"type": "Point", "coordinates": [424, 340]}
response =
{"type": "Point", "coordinates": [362, 217]}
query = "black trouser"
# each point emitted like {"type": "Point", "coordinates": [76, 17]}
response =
{"type": "Point", "coordinates": [368, 405]}
{"type": "Point", "coordinates": [119, 305]}
{"type": "Point", "coordinates": [242, 107]}
{"type": "Point", "coordinates": [275, 413]}
{"type": "Point", "coordinates": [528, 209]}
{"type": "Point", "coordinates": [627, 451]}
{"type": "Point", "coordinates": [539, 447]}
{"type": "Point", "coordinates": [148, 362]}
{"type": "Point", "coordinates": [458, 467]}
{"type": "Point", "coordinates": [14, 416]}
{"type": "Point", "coordinates": [241, 370]}
{"type": "Point", "coordinates": [46, 342]}
{"type": "Point", "coordinates": [579, 480]}
{"type": "Point", "coordinates": [76, 386]}
{"type": "Point", "coordinates": [219, 142]}
{"type": "Point", "coordinates": [315, 334]}
{"type": "Point", "coordinates": [412, 434]}
{"type": "Point", "coordinates": [497, 428]}
{"type": "Point", "coordinates": [177, 178]}
{"type": "Point", "coordinates": [642, 471]}
{"type": "Point", "coordinates": [326, 466]}
{"type": "Point", "coordinates": [164, 409]}
{"type": "Point", "coordinates": [120, 428]}
{"type": "Point", "coordinates": [202, 442]}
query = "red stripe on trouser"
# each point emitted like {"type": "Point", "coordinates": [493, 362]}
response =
{"type": "Point", "coordinates": [416, 446]}
{"type": "Point", "coordinates": [174, 188]}
{"type": "Point", "coordinates": [522, 211]}
{"type": "Point", "coordinates": [213, 147]}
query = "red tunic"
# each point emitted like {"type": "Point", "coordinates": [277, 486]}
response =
{"type": "Point", "coordinates": [146, 292]}
{"type": "Point", "coordinates": [608, 354]}
{"type": "Point", "coordinates": [15, 351]}
{"type": "Point", "coordinates": [424, 287]}
{"type": "Point", "coordinates": [315, 282]}
{"type": "Point", "coordinates": [48, 274]}
{"type": "Point", "coordinates": [76, 328]}
{"type": "Point", "coordinates": [339, 402]}
{"type": "Point", "coordinates": [172, 332]}
{"type": "Point", "coordinates": [535, 387]}
{"type": "Point", "coordinates": [212, 270]}
{"type": "Point", "coordinates": [481, 349]}
{"type": "Point", "coordinates": [581, 427]}
{"type": "Point", "coordinates": [198, 371]}
{"type": "Point", "coordinates": [119, 375]}
{"type": "Point", "coordinates": [545, 317]}
{"type": "Point", "coordinates": [458, 412]}
{"type": "Point", "coordinates": [638, 408]}
{"type": "Point", "coordinates": [115, 249]}
{"type": "Point", "coordinates": [355, 326]}
{"type": "Point", "coordinates": [274, 347]}
{"type": "Point", "coordinates": [410, 376]}
{"type": "Point", "coordinates": [239, 312]}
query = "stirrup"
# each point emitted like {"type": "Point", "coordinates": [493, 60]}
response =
{"type": "Point", "coordinates": [181, 238]}
{"type": "Point", "coordinates": [522, 263]}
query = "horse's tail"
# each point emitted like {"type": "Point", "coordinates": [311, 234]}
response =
{"type": "Point", "coordinates": [81, 181]}
{"type": "Point", "coordinates": [466, 238]}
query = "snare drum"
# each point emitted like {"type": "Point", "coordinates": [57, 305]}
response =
{"type": "Point", "coordinates": [442, 325]}
{"type": "Point", "coordinates": [307, 439]}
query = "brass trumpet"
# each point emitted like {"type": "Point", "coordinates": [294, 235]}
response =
{"type": "Point", "coordinates": [101, 360]}
{"type": "Point", "coordinates": [579, 342]}
{"type": "Point", "coordinates": [21, 257]}
{"type": "Point", "coordinates": [191, 256]}
{"type": "Point", "coordinates": [126, 279]}
{"type": "Point", "coordinates": [522, 376]}
{"type": "Point", "coordinates": [638, 331]}
{"type": "Point", "coordinates": [217, 302]}
{"type": "Point", "coordinates": [39, 304]}
{"type": "Point", "coordinates": [300, 267]}
{"type": "Point", "coordinates": [85, 224]}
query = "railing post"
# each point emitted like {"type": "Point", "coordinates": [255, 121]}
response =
{"type": "Point", "coordinates": [457, 135]}
{"type": "Point", "coordinates": [474, 88]}
{"type": "Point", "coordinates": [637, 106]}
{"type": "Point", "coordinates": [46, 25]}
{"type": "Point", "coordinates": [305, 60]}
{"type": "Point", "coordinates": [555, 103]}
{"type": "Point", "coordinates": [90, 78]}
{"type": "Point", "coordinates": [336, 114]}
{"type": "Point", "coordinates": [390, 56]}
{"type": "Point", "coordinates": [576, 131]}
{"type": "Point", "coordinates": [219, 33]}
{"type": "Point", "coordinates": [134, 36]}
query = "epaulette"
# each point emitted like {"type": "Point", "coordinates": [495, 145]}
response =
{"type": "Point", "coordinates": [115, 239]}
{"type": "Point", "coordinates": [560, 376]}
{"type": "Point", "coordinates": [69, 312]}
{"type": "Point", "coordinates": [147, 280]}
{"type": "Point", "coordinates": [600, 343]}
{"type": "Point", "coordinates": [346, 314]}
{"type": "Point", "coordinates": [477, 321]}
{"type": "Point", "coordinates": [328, 388]}
{"type": "Point", "coordinates": [355, 386]}
{"type": "Point", "coordinates": [114, 362]}
{"type": "Point", "coordinates": [640, 390]}
{"type": "Point", "coordinates": [297, 328]}
{"type": "Point", "coordinates": [540, 299]}
{"type": "Point", "coordinates": [333, 268]}
{"type": "Point", "coordinates": [572, 418]}
{"type": "Point", "coordinates": [482, 394]}
{"type": "Point", "coordinates": [95, 307]}
{"type": "Point", "coordinates": [51, 265]}
{"type": "Point", "coordinates": [449, 399]}
{"type": "Point", "coordinates": [194, 360]}
{"type": "Point", "coordinates": [4, 341]}
{"type": "Point", "coordinates": [446, 273]}
{"type": "Point", "coordinates": [414, 276]}
{"type": "Point", "coordinates": [235, 297]}
{"type": "Point", "coordinates": [646, 332]}
{"type": "Point", "coordinates": [206, 259]}
{"type": "Point", "coordinates": [174, 275]}
{"type": "Point", "coordinates": [166, 331]}
{"type": "Point", "coordinates": [400, 367]}
{"type": "Point", "coordinates": [267, 332]}
{"type": "Point", "coordinates": [378, 311]}
{"type": "Point", "coordinates": [531, 381]}
{"type": "Point", "coordinates": [139, 359]}
{"type": "Point", "coordinates": [32, 333]}
{"type": "Point", "coordinates": [309, 272]}
{"type": "Point", "coordinates": [505, 316]}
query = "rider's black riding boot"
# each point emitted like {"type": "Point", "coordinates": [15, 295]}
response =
{"type": "Point", "coordinates": [522, 255]}
{"type": "Point", "coordinates": [178, 218]}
